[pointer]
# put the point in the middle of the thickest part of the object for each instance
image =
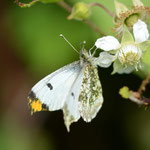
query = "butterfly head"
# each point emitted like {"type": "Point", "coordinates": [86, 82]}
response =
{"type": "Point", "coordinates": [84, 54]}
{"type": "Point", "coordinates": [85, 57]}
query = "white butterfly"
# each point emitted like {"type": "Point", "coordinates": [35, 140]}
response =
{"type": "Point", "coordinates": [74, 88]}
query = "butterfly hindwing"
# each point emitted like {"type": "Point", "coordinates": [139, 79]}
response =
{"type": "Point", "coordinates": [71, 107]}
{"type": "Point", "coordinates": [90, 99]}
{"type": "Point", "coordinates": [85, 98]}
{"type": "Point", "coordinates": [50, 93]}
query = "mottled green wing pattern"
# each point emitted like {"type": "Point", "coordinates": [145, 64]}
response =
{"type": "Point", "coordinates": [90, 99]}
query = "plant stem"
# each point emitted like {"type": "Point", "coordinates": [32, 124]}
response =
{"type": "Point", "coordinates": [68, 8]}
{"type": "Point", "coordinates": [25, 5]}
{"type": "Point", "coordinates": [65, 6]}
{"type": "Point", "coordinates": [103, 7]}
{"type": "Point", "coordinates": [137, 97]}
{"type": "Point", "coordinates": [143, 85]}
{"type": "Point", "coordinates": [94, 27]}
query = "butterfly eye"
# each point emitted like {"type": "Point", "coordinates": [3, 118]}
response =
{"type": "Point", "coordinates": [82, 55]}
{"type": "Point", "coordinates": [82, 44]}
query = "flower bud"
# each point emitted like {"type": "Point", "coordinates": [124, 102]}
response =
{"type": "Point", "coordinates": [124, 92]}
{"type": "Point", "coordinates": [80, 11]}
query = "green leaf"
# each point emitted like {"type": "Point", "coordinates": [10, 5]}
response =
{"type": "Point", "coordinates": [127, 36]}
{"type": "Point", "coordinates": [124, 92]}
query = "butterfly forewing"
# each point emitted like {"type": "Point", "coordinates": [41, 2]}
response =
{"type": "Point", "coordinates": [50, 93]}
{"type": "Point", "coordinates": [90, 99]}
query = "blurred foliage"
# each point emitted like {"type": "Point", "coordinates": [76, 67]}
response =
{"type": "Point", "coordinates": [34, 32]}
{"type": "Point", "coordinates": [37, 34]}
{"type": "Point", "coordinates": [17, 136]}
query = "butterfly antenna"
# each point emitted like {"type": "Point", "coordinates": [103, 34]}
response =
{"type": "Point", "coordinates": [90, 51]}
{"type": "Point", "coordinates": [69, 43]}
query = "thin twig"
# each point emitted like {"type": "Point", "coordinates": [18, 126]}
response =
{"type": "Point", "coordinates": [26, 4]}
{"type": "Point", "coordinates": [65, 6]}
{"type": "Point", "coordinates": [91, 24]}
{"type": "Point", "coordinates": [143, 85]}
{"type": "Point", "coordinates": [134, 98]}
{"type": "Point", "coordinates": [137, 97]}
{"type": "Point", "coordinates": [103, 7]}
{"type": "Point", "coordinates": [94, 27]}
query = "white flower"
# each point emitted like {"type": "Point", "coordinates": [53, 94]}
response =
{"type": "Point", "coordinates": [107, 43]}
{"type": "Point", "coordinates": [127, 54]}
{"type": "Point", "coordinates": [130, 54]}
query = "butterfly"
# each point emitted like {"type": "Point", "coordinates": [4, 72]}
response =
{"type": "Point", "coordinates": [74, 88]}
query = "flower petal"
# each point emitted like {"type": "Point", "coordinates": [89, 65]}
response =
{"type": "Point", "coordinates": [126, 70]}
{"type": "Point", "coordinates": [119, 68]}
{"type": "Point", "coordinates": [140, 31]}
{"type": "Point", "coordinates": [107, 43]}
{"type": "Point", "coordinates": [105, 59]}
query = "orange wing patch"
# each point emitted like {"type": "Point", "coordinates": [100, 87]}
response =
{"type": "Point", "coordinates": [35, 104]}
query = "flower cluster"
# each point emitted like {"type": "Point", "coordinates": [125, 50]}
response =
{"type": "Point", "coordinates": [127, 55]}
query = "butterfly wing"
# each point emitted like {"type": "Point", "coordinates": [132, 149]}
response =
{"type": "Point", "coordinates": [90, 99]}
{"type": "Point", "coordinates": [71, 107]}
{"type": "Point", "coordinates": [50, 93]}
